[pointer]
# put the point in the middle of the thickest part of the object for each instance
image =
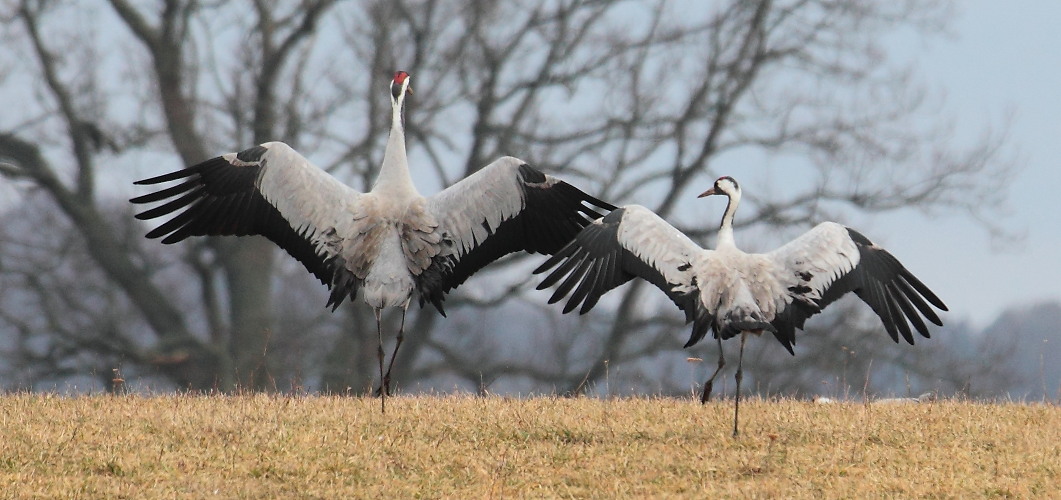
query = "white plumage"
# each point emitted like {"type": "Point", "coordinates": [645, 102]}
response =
{"type": "Point", "coordinates": [391, 242]}
{"type": "Point", "coordinates": [733, 292]}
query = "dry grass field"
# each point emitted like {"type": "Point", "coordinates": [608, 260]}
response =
{"type": "Point", "coordinates": [467, 447]}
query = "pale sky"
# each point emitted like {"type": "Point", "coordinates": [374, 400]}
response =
{"type": "Point", "coordinates": [1002, 63]}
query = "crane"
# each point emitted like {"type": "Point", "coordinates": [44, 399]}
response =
{"type": "Point", "coordinates": [737, 293]}
{"type": "Point", "coordinates": [391, 242]}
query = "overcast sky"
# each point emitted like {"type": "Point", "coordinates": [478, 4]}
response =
{"type": "Point", "coordinates": [1002, 62]}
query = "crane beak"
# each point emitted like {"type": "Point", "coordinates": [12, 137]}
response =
{"type": "Point", "coordinates": [709, 192]}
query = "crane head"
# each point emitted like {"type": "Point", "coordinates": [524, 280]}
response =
{"type": "Point", "coordinates": [723, 185]}
{"type": "Point", "coordinates": [400, 85]}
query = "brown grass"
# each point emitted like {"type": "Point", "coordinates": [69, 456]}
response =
{"type": "Point", "coordinates": [461, 446]}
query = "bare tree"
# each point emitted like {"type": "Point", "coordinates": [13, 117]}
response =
{"type": "Point", "coordinates": [232, 352]}
{"type": "Point", "coordinates": [634, 101]}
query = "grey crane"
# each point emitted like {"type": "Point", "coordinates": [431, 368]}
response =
{"type": "Point", "coordinates": [737, 293]}
{"type": "Point", "coordinates": [389, 242]}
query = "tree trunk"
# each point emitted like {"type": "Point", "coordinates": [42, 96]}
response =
{"type": "Point", "coordinates": [248, 264]}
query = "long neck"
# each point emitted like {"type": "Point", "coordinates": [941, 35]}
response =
{"type": "Point", "coordinates": [394, 175]}
{"type": "Point", "coordinates": [725, 230]}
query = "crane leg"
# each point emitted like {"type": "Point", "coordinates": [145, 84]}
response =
{"type": "Point", "coordinates": [379, 354]}
{"type": "Point", "coordinates": [706, 396]}
{"type": "Point", "coordinates": [736, 400]}
{"type": "Point", "coordinates": [386, 384]}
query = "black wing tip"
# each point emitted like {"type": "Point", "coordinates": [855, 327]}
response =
{"type": "Point", "coordinates": [787, 342]}
{"type": "Point", "coordinates": [545, 266]}
{"type": "Point", "coordinates": [169, 176]}
{"type": "Point", "coordinates": [437, 302]}
{"type": "Point", "coordinates": [923, 289]}
{"type": "Point", "coordinates": [898, 294]}
{"type": "Point", "coordinates": [250, 156]}
{"type": "Point", "coordinates": [788, 347]}
{"type": "Point", "coordinates": [565, 252]}
{"type": "Point", "coordinates": [695, 336]}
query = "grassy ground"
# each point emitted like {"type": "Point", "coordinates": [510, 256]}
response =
{"type": "Point", "coordinates": [335, 447]}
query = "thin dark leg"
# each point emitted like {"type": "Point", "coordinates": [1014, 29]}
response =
{"type": "Point", "coordinates": [736, 403]}
{"type": "Point", "coordinates": [706, 396]}
{"type": "Point", "coordinates": [386, 385]}
{"type": "Point", "coordinates": [379, 354]}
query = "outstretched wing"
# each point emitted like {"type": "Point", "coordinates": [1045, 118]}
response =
{"type": "Point", "coordinates": [629, 242]}
{"type": "Point", "coordinates": [831, 260]}
{"type": "Point", "coordinates": [505, 207]}
{"type": "Point", "coordinates": [268, 190]}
